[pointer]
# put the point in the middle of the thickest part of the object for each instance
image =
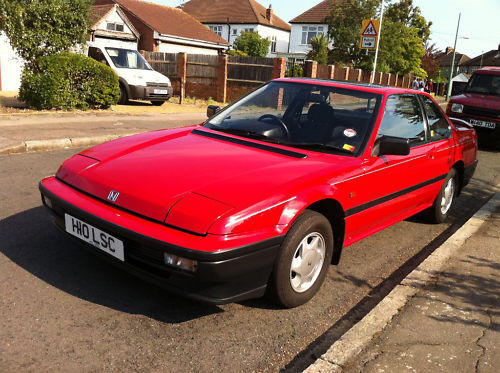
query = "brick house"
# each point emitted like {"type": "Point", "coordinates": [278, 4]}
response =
{"type": "Point", "coordinates": [228, 18]}
{"type": "Point", "coordinates": [307, 25]}
{"type": "Point", "coordinates": [445, 59]}
{"type": "Point", "coordinates": [170, 30]}
{"type": "Point", "coordinates": [110, 26]}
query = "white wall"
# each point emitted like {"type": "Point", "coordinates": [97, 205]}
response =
{"type": "Point", "coordinates": [178, 48]}
{"type": "Point", "coordinates": [282, 37]}
{"type": "Point", "coordinates": [114, 17]}
{"type": "Point", "coordinates": [296, 45]}
{"type": "Point", "coordinates": [11, 66]}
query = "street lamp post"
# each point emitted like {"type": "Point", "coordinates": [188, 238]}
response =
{"type": "Point", "coordinates": [448, 92]}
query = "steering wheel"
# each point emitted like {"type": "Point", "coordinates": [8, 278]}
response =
{"type": "Point", "coordinates": [278, 121]}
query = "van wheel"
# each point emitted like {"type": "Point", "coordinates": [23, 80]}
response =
{"type": "Point", "coordinates": [123, 100]}
{"type": "Point", "coordinates": [157, 103]}
{"type": "Point", "coordinates": [303, 261]}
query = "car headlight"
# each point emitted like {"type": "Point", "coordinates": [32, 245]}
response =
{"type": "Point", "coordinates": [457, 108]}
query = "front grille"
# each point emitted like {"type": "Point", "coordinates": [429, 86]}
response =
{"type": "Point", "coordinates": [490, 113]}
{"type": "Point", "coordinates": [162, 85]}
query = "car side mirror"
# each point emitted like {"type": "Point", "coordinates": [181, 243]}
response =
{"type": "Point", "coordinates": [212, 110]}
{"type": "Point", "coordinates": [390, 145]}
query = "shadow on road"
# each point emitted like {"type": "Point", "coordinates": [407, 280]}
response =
{"type": "Point", "coordinates": [31, 241]}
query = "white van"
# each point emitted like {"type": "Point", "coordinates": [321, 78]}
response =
{"type": "Point", "coordinates": [137, 79]}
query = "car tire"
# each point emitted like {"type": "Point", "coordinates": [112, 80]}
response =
{"type": "Point", "coordinates": [157, 103]}
{"type": "Point", "coordinates": [303, 261]}
{"type": "Point", "coordinates": [123, 100]}
{"type": "Point", "coordinates": [444, 200]}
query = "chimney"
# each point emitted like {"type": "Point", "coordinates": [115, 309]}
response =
{"type": "Point", "coordinates": [269, 13]}
{"type": "Point", "coordinates": [449, 50]}
{"type": "Point", "coordinates": [498, 54]}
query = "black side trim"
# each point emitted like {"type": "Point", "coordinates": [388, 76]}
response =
{"type": "Point", "coordinates": [251, 144]}
{"type": "Point", "coordinates": [152, 242]}
{"type": "Point", "coordinates": [387, 198]}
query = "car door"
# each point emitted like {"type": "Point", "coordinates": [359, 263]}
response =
{"type": "Point", "coordinates": [395, 186]}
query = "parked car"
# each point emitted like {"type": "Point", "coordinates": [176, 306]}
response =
{"type": "Point", "coordinates": [264, 195]}
{"type": "Point", "coordinates": [138, 81]}
{"type": "Point", "coordinates": [480, 104]}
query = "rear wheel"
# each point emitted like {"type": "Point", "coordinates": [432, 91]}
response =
{"type": "Point", "coordinates": [444, 200]}
{"type": "Point", "coordinates": [303, 261]}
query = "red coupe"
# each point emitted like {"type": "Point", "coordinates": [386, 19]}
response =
{"type": "Point", "coordinates": [263, 196]}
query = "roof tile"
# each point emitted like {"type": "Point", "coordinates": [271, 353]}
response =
{"type": "Point", "coordinates": [237, 11]}
{"type": "Point", "coordinates": [316, 14]}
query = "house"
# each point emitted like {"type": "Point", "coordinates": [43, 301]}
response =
{"type": "Point", "coordinates": [491, 58]}
{"type": "Point", "coordinates": [228, 18]}
{"type": "Point", "coordinates": [110, 26]}
{"type": "Point", "coordinates": [11, 66]}
{"type": "Point", "coordinates": [307, 25]}
{"type": "Point", "coordinates": [169, 30]}
{"type": "Point", "coordinates": [445, 59]}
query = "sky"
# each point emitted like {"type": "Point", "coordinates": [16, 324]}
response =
{"type": "Point", "coordinates": [479, 21]}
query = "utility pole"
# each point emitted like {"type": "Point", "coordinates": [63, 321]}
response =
{"type": "Point", "coordinates": [448, 92]}
{"type": "Point", "coordinates": [378, 43]}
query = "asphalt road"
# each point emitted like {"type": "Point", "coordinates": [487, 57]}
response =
{"type": "Point", "coordinates": [62, 309]}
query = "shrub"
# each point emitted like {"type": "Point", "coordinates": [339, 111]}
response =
{"type": "Point", "coordinates": [295, 71]}
{"type": "Point", "coordinates": [67, 81]}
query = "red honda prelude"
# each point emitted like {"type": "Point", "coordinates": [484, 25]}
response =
{"type": "Point", "coordinates": [263, 196]}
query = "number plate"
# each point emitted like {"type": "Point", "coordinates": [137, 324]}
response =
{"type": "Point", "coordinates": [94, 236]}
{"type": "Point", "coordinates": [482, 123]}
{"type": "Point", "coordinates": [160, 91]}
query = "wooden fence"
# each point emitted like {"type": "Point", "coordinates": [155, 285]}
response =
{"type": "Point", "coordinates": [225, 78]}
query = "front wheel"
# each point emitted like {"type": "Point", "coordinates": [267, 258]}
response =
{"type": "Point", "coordinates": [123, 100]}
{"type": "Point", "coordinates": [438, 212]}
{"type": "Point", "coordinates": [303, 261]}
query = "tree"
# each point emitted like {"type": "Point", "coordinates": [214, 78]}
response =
{"type": "Point", "coordinates": [38, 28]}
{"type": "Point", "coordinates": [319, 50]}
{"type": "Point", "coordinates": [430, 61]}
{"type": "Point", "coordinates": [252, 44]}
{"type": "Point", "coordinates": [404, 31]}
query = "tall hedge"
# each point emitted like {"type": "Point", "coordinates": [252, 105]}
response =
{"type": "Point", "coordinates": [68, 81]}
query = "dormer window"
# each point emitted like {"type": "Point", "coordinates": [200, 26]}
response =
{"type": "Point", "coordinates": [112, 26]}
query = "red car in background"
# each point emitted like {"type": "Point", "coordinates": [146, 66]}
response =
{"type": "Point", "coordinates": [480, 104]}
{"type": "Point", "coordinates": [263, 196]}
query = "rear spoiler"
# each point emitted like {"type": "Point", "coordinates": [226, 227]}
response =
{"type": "Point", "coordinates": [461, 122]}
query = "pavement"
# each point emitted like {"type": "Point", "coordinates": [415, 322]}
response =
{"type": "Point", "coordinates": [43, 132]}
{"type": "Point", "coordinates": [443, 317]}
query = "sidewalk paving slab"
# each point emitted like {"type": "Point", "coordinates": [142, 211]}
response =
{"type": "Point", "coordinates": [444, 317]}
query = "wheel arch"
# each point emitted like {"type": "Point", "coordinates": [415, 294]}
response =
{"type": "Point", "coordinates": [334, 212]}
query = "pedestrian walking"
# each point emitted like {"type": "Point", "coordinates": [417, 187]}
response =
{"type": "Point", "coordinates": [421, 85]}
{"type": "Point", "coordinates": [414, 84]}
{"type": "Point", "coordinates": [430, 86]}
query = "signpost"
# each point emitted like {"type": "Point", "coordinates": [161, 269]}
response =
{"type": "Point", "coordinates": [369, 35]}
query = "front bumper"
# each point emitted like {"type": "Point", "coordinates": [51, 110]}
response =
{"type": "Point", "coordinates": [221, 276]}
{"type": "Point", "coordinates": [480, 130]}
{"type": "Point", "coordinates": [150, 92]}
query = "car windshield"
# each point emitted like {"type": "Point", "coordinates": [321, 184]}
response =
{"type": "Point", "coordinates": [127, 59]}
{"type": "Point", "coordinates": [485, 84]}
{"type": "Point", "coordinates": [302, 115]}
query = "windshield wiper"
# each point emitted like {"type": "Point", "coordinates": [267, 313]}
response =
{"type": "Point", "coordinates": [316, 146]}
{"type": "Point", "coordinates": [243, 133]}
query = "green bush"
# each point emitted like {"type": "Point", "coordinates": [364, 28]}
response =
{"type": "Point", "coordinates": [68, 81]}
{"type": "Point", "coordinates": [295, 71]}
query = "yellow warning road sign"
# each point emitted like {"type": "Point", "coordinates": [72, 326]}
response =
{"type": "Point", "coordinates": [369, 33]}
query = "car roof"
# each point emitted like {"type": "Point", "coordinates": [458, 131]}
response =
{"type": "Point", "coordinates": [494, 70]}
{"type": "Point", "coordinates": [374, 88]}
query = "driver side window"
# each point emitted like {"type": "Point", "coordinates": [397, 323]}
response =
{"type": "Point", "coordinates": [403, 118]}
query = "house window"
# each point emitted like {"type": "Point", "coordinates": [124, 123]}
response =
{"type": "Point", "coordinates": [111, 26]}
{"type": "Point", "coordinates": [309, 32]}
{"type": "Point", "coordinates": [273, 44]}
{"type": "Point", "coordinates": [216, 29]}
{"type": "Point", "coordinates": [235, 31]}
{"type": "Point", "coordinates": [249, 30]}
